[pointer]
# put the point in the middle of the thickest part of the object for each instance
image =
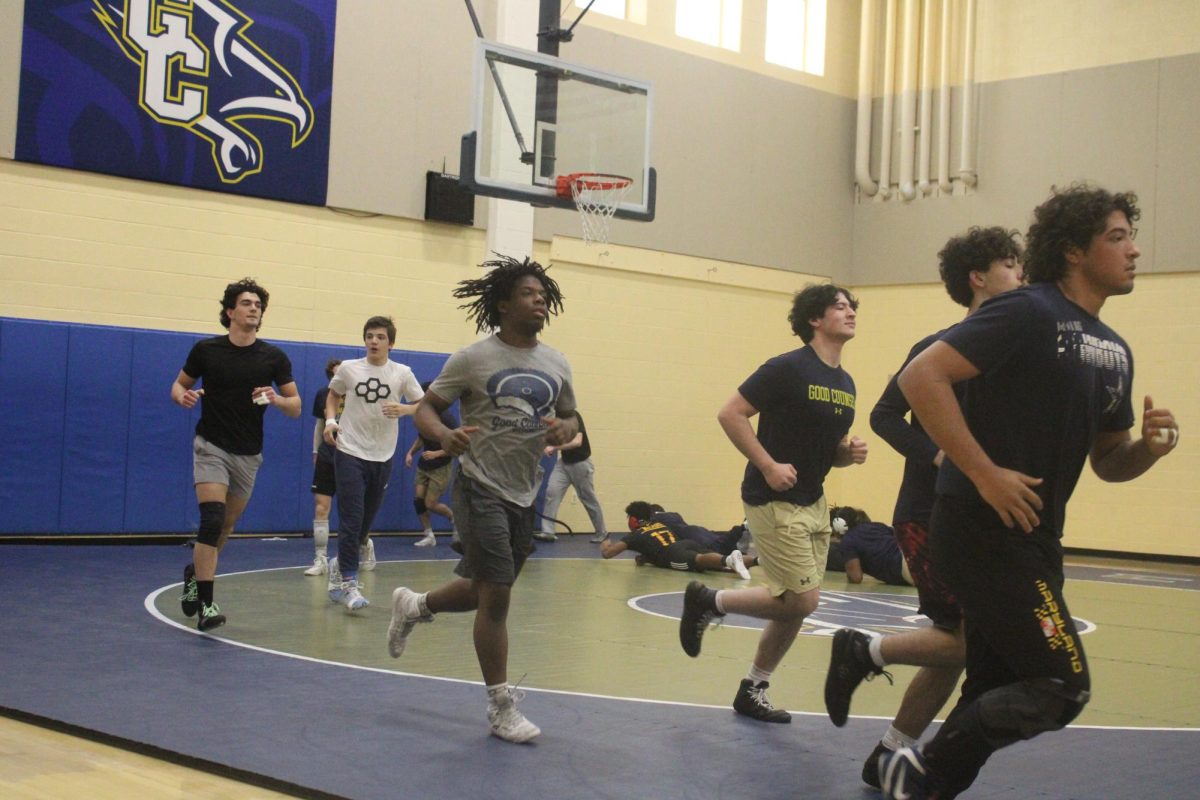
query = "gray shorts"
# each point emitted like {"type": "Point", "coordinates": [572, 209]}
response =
{"type": "Point", "coordinates": [211, 464]}
{"type": "Point", "coordinates": [497, 536]}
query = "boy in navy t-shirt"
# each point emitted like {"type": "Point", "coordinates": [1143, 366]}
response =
{"type": "Point", "coordinates": [805, 404]}
{"type": "Point", "coordinates": [1049, 386]}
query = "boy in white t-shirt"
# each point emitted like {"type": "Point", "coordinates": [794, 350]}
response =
{"type": "Point", "coordinates": [365, 436]}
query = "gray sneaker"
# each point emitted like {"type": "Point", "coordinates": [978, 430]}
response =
{"type": "Point", "coordinates": [367, 562]}
{"type": "Point", "coordinates": [406, 613]}
{"type": "Point", "coordinates": [335, 581]}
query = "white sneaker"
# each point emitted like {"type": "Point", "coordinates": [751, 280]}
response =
{"type": "Point", "coordinates": [510, 724]}
{"type": "Point", "coordinates": [352, 597]}
{"type": "Point", "coordinates": [319, 566]}
{"type": "Point", "coordinates": [599, 537]}
{"type": "Point", "coordinates": [366, 562]}
{"type": "Point", "coordinates": [428, 540]}
{"type": "Point", "coordinates": [406, 613]}
{"type": "Point", "coordinates": [735, 563]}
{"type": "Point", "coordinates": [335, 581]}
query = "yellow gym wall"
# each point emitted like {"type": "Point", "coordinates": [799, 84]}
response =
{"type": "Point", "coordinates": [657, 341]}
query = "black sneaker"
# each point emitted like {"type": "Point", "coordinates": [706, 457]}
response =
{"type": "Point", "coordinates": [699, 609]}
{"type": "Point", "coordinates": [189, 601]}
{"type": "Point", "coordinates": [870, 773]}
{"type": "Point", "coordinates": [751, 701]}
{"type": "Point", "coordinates": [210, 617]}
{"type": "Point", "coordinates": [904, 775]}
{"type": "Point", "coordinates": [849, 662]}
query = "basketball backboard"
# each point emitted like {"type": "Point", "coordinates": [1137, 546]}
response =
{"type": "Point", "coordinates": [537, 117]}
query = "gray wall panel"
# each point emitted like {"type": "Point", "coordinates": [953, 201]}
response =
{"type": "Point", "coordinates": [1177, 221]}
{"type": "Point", "coordinates": [401, 100]}
{"type": "Point", "coordinates": [1129, 126]}
{"type": "Point", "coordinates": [10, 73]}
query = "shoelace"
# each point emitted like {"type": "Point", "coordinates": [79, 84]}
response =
{"type": "Point", "coordinates": [759, 695]}
{"type": "Point", "coordinates": [884, 673]}
{"type": "Point", "coordinates": [191, 591]}
{"type": "Point", "coordinates": [210, 610]}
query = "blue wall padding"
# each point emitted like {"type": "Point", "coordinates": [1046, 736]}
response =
{"type": "Point", "coordinates": [33, 397]}
{"type": "Point", "coordinates": [158, 468]}
{"type": "Point", "coordinates": [101, 449]}
{"type": "Point", "coordinates": [96, 429]}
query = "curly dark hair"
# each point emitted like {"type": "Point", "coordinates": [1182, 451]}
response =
{"type": "Point", "coordinates": [810, 303]}
{"type": "Point", "coordinates": [331, 367]}
{"type": "Point", "coordinates": [230, 298]}
{"type": "Point", "coordinates": [497, 286]}
{"type": "Point", "coordinates": [1071, 218]}
{"type": "Point", "coordinates": [974, 250]}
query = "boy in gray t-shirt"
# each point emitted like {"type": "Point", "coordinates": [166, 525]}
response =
{"type": "Point", "coordinates": [517, 397]}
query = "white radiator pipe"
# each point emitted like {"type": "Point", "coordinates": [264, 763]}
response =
{"type": "Point", "coordinates": [889, 80]}
{"type": "Point", "coordinates": [966, 162]}
{"type": "Point", "coordinates": [925, 112]}
{"type": "Point", "coordinates": [866, 72]}
{"type": "Point", "coordinates": [908, 101]}
{"type": "Point", "coordinates": [944, 183]}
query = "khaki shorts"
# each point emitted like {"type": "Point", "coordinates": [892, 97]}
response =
{"type": "Point", "coordinates": [211, 464]}
{"type": "Point", "coordinates": [792, 542]}
{"type": "Point", "coordinates": [435, 482]}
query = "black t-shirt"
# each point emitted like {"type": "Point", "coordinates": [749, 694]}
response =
{"type": "Point", "coordinates": [914, 503]}
{"type": "Point", "coordinates": [805, 407]}
{"type": "Point", "coordinates": [228, 416]}
{"type": "Point", "coordinates": [581, 453]}
{"type": "Point", "coordinates": [1052, 377]}
{"type": "Point", "coordinates": [451, 422]}
{"type": "Point", "coordinates": [652, 541]}
{"type": "Point", "coordinates": [325, 452]}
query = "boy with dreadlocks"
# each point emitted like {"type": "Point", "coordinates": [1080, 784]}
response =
{"type": "Point", "coordinates": [517, 397]}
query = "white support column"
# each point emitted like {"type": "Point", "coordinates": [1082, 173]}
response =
{"type": "Point", "coordinates": [510, 223]}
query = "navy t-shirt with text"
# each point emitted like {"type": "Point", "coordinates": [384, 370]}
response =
{"type": "Point", "coordinates": [806, 407]}
{"type": "Point", "coordinates": [1052, 377]}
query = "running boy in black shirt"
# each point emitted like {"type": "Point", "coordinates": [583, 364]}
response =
{"type": "Point", "coordinates": [237, 371]}
{"type": "Point", "coordinates": [1049, 387]}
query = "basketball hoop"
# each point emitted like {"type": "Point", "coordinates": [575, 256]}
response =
{"type": "Point", "coordinates": [597, 196]}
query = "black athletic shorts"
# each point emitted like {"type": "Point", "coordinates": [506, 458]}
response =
{"type": "Point", "coordinates": [323, 478]}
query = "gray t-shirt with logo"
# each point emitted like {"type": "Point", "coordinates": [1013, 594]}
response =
{"type": "Point", "coordinates": [509, 393]}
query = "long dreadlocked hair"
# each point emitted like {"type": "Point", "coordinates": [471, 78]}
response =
{"type": "Point", "coordinates": [497, 285]}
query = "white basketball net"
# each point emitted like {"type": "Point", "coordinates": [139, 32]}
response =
{"type": "Point", "coordinates": [597, 197]}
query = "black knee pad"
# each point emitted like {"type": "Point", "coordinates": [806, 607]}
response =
{"type": "Point", "coordinates": [1023, 710]}
{"type": "Point", "coordinates": [419, 505]}
{"type": "Point", "coordinates": [212, 517]}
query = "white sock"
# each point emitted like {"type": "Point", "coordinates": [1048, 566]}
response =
{"type": "Point", "coordinates": [894, 739]}
{"type": "Point", "coordinates": [429, 531]}
{"type": "Point", "coordinates": [499, 694]}
{"type": "Point", "coordinates": [875, 649]}
{"type": "Point", "coordinates": [717, 601]}
{"type": "Point", "coordinates": [423, 606]}
{"type": "Point", "coordinates": [321, 535]}
{"type": "Point", "coordinates": [758, 675]}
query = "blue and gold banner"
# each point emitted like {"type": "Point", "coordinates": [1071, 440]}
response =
{"type": "Point", "coordinates": [230, 95]}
